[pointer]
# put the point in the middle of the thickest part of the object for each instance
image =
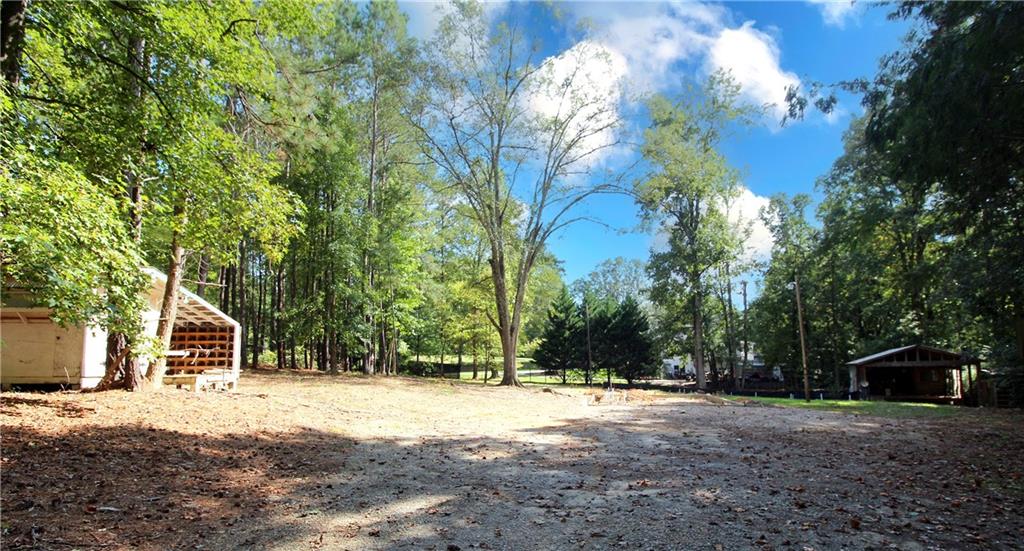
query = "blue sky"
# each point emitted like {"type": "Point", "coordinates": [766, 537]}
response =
{"type": "Point", "coordinates": [766, 45]}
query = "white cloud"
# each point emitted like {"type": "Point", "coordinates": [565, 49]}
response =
{"type": "Point", "coordinates": [426, 15]}
{"type": "Point", "coordinates": [744, 213]}
{"type": "Point", "coordinates": [653, 43]}
{"type": "Point", "coordinates": [835, 12]}
{"type": "Point", "coordinates": [752, 57]}
{"type": "Point", "coordinates": [836, 115]}
{"type": "Point", "coordinates": [585, 83]}
{"type": "Point", "coordinates": [661, 42]}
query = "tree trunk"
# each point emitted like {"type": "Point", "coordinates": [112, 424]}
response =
{"type": "Point", "coordinates": [383, 351]}
{"type": "Point", "coordinates": [803, 341]}
{"type": "Point", "coordinates": [204, 273]}
{"type": "Point", "coordinates": [506, 323]}
{"type": "Point", "coordinates": [396, 336]}
{"type": "Point", "coordinates": [369, 359]}
{"type": "Point", "coordinates": [1018, 326]}
{"type": "Point", "coordinates": [224, 279]}
{"type": "Point", "coordinates": [344, 356]}
{"type": "Point", "coordinates": [475, 367]}
{"type": "Point", "coordinates": [730, 327]}
{"type": "Point", "coordinates": [12, 40]}
{"type": "Point", "coordinates": [168, 313]}
{"type": "Point", "coordinates": [510, 375]}
{"type": "Point", "coordinates": [240, 312]}
{"type": "Point", "coordinates": [698, 337]}
{"type": "Point", "coordinates": [120, 358]}
{"type": "Point", "coordinates": [329, 352]}
{"type": "Point", "coordinates": [279, 319]}
{"type": "Point", "coordinates": [293, 293]}
{"type": "Point", "coordinates": [746, 339]}
{"type": "Point", "coordinates": [258, 317]}
{"type": "Point", "coordinates": [122, 368]}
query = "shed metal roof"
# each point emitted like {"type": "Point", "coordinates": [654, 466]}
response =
{"type": "Point", "coordinates": [953, 356]}
{"type": "Point", "coordinates": [192, 308]}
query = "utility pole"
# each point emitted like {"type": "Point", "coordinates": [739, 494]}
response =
{"type": "Point", "coordinates": [746, 336]}
{"type": "Point", "coordinates": [608, 370]}
{"type": "Point", "coordinates": [803, 344]}
{"type": "Point", "coordinates": [590, 361]}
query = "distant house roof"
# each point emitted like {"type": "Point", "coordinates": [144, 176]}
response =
{"type": "Point", "coordinates": [913, 355]}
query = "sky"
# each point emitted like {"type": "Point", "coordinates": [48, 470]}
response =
{"type": "Point", "coordinates": [651, 47]}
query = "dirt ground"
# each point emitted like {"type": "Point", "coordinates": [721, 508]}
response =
{"type": "Point", "coordinates": [296, 461]}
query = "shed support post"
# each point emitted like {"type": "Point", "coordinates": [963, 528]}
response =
{"type": "Point", "coordinates": [960, 383]}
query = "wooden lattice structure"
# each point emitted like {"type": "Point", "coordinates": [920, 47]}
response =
{"type": "Point", "coordinates": [205, 343]}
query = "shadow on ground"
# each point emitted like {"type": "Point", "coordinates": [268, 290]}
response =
{"type": "Point", "coordinates": [662, 476]}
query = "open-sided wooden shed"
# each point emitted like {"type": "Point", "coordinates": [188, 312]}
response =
{"type": "Point", "coordinates": [914, 372]}
{"type": "Point", "coordinates": [205, 343]}
{"type": "Point", "coordinates": [35, 350]}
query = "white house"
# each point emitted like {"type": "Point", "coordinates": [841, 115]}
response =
{"type": "Point", "coordinates": [204, 351]}
{"type": "Point", "coordinates": [678, 367]}
{"type": "Point", "coordinates": [681, 367]}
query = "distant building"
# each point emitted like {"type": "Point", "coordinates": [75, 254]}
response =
{"type": "Point", "coordinates": [678, 367]}
{"type": "Point", "coordinates": [681, 367]}
{"type": "Point", "coordinates": [914, 372]}
{"type": "Point", "coordinates": [755, 368]}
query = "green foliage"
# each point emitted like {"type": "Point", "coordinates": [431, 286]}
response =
{"type": "Point", "coordinates": [144, 95]}
{"type": "Point", "coordinates": [922, 214]}
{"type": "Point", "coordinates": [875, 408]}
{"type": "Point", "coordinates": [617, 278]}
{"type": "Point", "coordinates": [629, 349]}
{"type": "Point", "coordinates": [62, 239]}
{"type": "Point", "coordinates": [773, 315]}
{"type": "Point", "coordinates": [947, 110]}
{"type": "Point", "coordinates": [559, 349]}
{"type": "Point", "coordinates": [620, 339]}
{"type": "Point", "coordinates": [687, 191]}
{"type": "Point", "coordinates": [545, 287]}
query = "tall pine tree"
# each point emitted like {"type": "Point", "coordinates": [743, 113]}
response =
{"type": "Point", "coordinates": [559, 347]}
{"type": "Point", "coordinates": [629, 347]}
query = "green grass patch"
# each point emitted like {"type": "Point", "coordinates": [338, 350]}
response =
{"type": "Point", "coordinates": [539, 378]}
{"type": "Point", "coordinates": [896, 410]}
{"type": "Point", "coordinates": [467, 360]}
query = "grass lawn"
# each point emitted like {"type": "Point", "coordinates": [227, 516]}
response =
{"type": "Point", "coordinates": [528, 372]}
{"type": "Point", "coordinates": [898, 410]}
{"type": "Point", "coordinates": [536, 377]}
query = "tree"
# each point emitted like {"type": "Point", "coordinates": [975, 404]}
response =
{"type": "Point", "coordinates": [944, 113]}
{"type": "Point", "coordinates": [152, 102]}
{"type": "Point", "coordinates": [687, 188]}
{"type": "Point", "coordinates": [212, 182]}
{"type": "Point", "coordinates": [963, 136]}
{"type": "Point", "coordinates": [775, 316]}
{"type": "Point", "coordinates": [630, 346]}
{"type": "Point", "coordinates": [511, 135]}
{"type": "Point", "coordinates": [545, 286]}
{"type": "Point", "coordinates": [63, 240]}
{"type": "Point", "coordinates": [596, 348]}
{"type": "Point", "coordinates": [559, 349]}
{"type": "Point", "coordinates": [386, 73]}
{"type": "Point", "coordinates": [616, 278]}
